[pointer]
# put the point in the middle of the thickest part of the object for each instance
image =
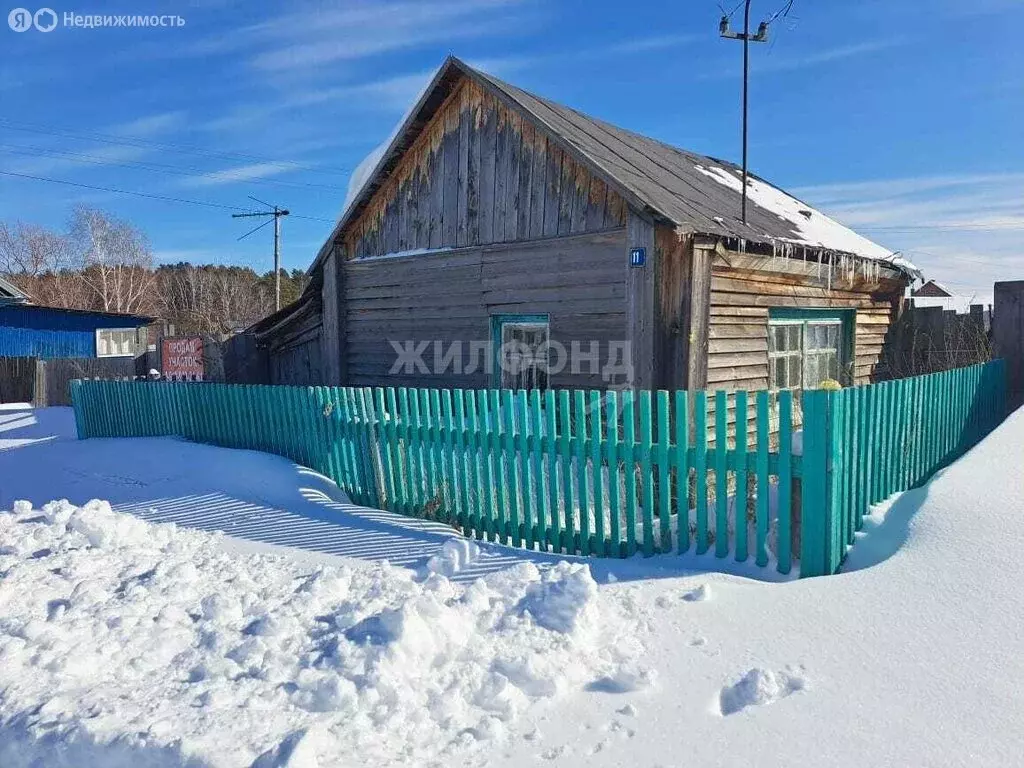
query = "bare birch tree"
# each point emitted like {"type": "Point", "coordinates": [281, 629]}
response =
{"type": "Point", "coordinates": [40, 262]}
{"type": "Point", "coordinates": [114, 258]}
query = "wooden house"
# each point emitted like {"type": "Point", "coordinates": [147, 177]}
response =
{"type": "Point", "coordinates": [494, 215]}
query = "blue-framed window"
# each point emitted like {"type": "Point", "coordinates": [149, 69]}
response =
{"type": "Point", "coordinates": [808, 346]}
{"type": "Point", "coordinates": [520, 351]}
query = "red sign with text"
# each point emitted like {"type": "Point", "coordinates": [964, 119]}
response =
{"type": "Point", "coordinates": [182, 359]}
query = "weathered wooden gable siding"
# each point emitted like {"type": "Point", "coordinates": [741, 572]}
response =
{"type": "Point", "coordinates": [743, 289]}
{"type": "Point", "coordinates": [449, 297]}
{"type": "Point", "coordinates": [479, 173]}
{"type": "Point", "coordinates": [295, 352]}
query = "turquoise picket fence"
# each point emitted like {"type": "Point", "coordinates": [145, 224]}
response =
{"type": "Point", "coordinates": [864, 444]}
{"type": "Point", "coordinates": [593, 473]}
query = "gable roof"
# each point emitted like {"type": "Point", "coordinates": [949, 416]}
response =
{"type": "Point", "coordinates": [695, 193]}
{"type": "Point", "coordinates": [10, 294]}
{"type": "Point", "coordinates": [933, 289]}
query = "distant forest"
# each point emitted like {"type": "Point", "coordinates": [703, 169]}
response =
{"type": "Point", "coordinates": [105, 263]}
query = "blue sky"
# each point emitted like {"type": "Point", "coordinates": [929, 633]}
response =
{"type": "Point", "coordinates": [902, 118]}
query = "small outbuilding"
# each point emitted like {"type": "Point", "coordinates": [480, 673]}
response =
{"type": "Point", "coordinates": [29, 330]}
{"type": "Point", "coordinates": [500, 239]}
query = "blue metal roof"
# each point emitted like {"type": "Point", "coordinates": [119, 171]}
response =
{"type": "Point", "coordinates": [30, 331]}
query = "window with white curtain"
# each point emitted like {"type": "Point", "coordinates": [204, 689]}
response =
{"type": "Point", "coordinates": [120, 342]}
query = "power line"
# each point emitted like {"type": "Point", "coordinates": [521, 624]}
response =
{"type": "Point", "coordinates": [135, 141]}
{"type": "Point", "coordinates": [927, 227]}
{"type": "Point", "coordinates": [782, 12]}
{"type": "Point", "coordinates": [187, 171]}
{"type": "Point", "coordinates": [151, 196]}
{"type": "Point", "coordinates": [730, 14]}
{"type": "Point", "coordinates": [147, 195]}
{"type": "Point", "coordinates": [746, 37]}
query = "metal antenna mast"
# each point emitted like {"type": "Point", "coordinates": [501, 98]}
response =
{"type": "Point", "coordinates": [277, 213]}
{"type": "Point", "coordinates": [746, 37]}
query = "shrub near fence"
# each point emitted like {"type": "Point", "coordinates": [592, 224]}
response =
{"type": "Point", "coordinates": [605, 474]}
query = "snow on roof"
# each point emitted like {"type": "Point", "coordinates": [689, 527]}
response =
{"type": "Point", "coordinates": [815, 228]}
{"type": "Point", "coordinates": [368, 166]}
{"type": "Point", "coordinates": [674, 183]}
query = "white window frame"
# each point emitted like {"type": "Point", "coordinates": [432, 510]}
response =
{"type": "Point", "coordinates": [801, 352]}
{"type": "Point", "coordinates": [119, 338]}
{"type": "Point", "coordinates": [508, 379]}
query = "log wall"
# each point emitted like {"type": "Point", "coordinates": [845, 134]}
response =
{"type": "Point", "coordinates": [444, 298]}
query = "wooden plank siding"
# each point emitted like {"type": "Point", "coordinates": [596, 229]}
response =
{"type": "Point", "coordinates": [479, 173]}
{"type": "Point", "coordinates": [743, 290]}
{"type": "Point", "coordinates": [295, 354]}
{"type": "Point", "coordinates": [578, 281]}
{"type": "Point", "coordinates": [330, 336]}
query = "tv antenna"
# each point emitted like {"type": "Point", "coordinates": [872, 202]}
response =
{"type": "Point", "coordinates": [276, 213]}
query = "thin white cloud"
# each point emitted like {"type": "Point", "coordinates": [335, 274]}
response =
{"type": "Point", "coordinates": [502, 65]}
{"type": "Point", "coordinates": [150, 125]}
{"type": "Point", "coordinates": [956, 8]}
{"type": "Point", "coordinates": [298, 42]}
{"type": "Point", "coordinates": [772, 64]}
{"type": "Point", "coordinates": [654, 43]}
{"type": "Point", "coordinates": [77, 159]}
{"type": "Point", "coordinates": [240, 174]}
{"type": "Point", "coordinates": [832, 54]}
{"type": "Point", "coordinates": [391, 93]}
{"type": "Point", "coordinates": [888, 188]}
{"type": "Point", "coordinates": [961, 229]}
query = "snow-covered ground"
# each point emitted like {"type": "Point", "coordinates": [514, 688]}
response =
{"type": "Point", "coordinates": [128, 643]}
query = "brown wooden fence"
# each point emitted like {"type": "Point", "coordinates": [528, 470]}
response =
{"type": "Point", "coordinates": [17, 379]}
{"type": "Point", "coordinates": [1008, 336]}
{"type": "Point", "coordinates": [46, 382]}
{"type": "Point", "coordinates": [932, 339]}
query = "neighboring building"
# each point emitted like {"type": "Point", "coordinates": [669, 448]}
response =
{"type": "Point", "coordinates": [291, 338]}
{"type": "Point", "coordinates": [934, 294]}
{"type": "Point", "coordinates": [9, 294]}
{"type": "Point", "coordinates": [27, 330]}
{"type": "Point", "coordinates": [494, 215]}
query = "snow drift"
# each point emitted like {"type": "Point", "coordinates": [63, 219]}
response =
{"type": "Point", "coordinates": [128, 643]}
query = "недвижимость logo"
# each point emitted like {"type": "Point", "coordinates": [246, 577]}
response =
{"type": "Point", "coordinates": [22, 20]}
{"type": "Point", "coordinates": [45, 20]}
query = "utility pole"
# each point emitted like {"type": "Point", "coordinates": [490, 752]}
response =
{"type": "Point", "coordinates": [746, 37]}
{"type": "Point", "coordinates": [277, 213]}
